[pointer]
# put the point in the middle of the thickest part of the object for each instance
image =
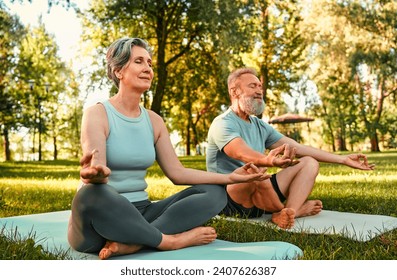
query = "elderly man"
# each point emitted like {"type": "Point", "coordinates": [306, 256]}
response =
{"type": "Point", "coordinates": [237, 136]}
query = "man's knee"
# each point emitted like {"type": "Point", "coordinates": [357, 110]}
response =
{"type": "Point", "coordinates": [310, 163]}
{"type": "Point", "coordinates": [262, 186]}
{"type": "Point", "coordinates": [265, 197]}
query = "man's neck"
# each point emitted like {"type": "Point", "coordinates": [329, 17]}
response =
{"type": "Point", "coordinates": [240, 113]}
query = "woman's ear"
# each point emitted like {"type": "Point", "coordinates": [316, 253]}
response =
{"type": "Point", "coordinates": [118, 75]}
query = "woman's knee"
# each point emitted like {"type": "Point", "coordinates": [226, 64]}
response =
{"type": "Point", "coordinates": [91, 195]}
{"type": "Point", "coordinates": [215, 195]}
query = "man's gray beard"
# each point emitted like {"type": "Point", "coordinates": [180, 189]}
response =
{"type": "Point", "coordinates": [252, 106]}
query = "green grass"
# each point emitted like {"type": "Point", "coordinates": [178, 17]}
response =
{"type": "Point", "coordinates": [36, 187]}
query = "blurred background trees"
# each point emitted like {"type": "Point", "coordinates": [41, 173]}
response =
{"type": "Point", "coordinates": [334, 61]}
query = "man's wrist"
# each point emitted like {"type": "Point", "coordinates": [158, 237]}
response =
{"type": "Point", "coordinates": [265, 162]}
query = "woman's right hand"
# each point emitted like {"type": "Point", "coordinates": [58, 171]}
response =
{"type": "Point", "coordinates": [91, 171]}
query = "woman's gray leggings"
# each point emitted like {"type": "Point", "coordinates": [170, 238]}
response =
{"type": "Point", "coordinates": [100, 213]}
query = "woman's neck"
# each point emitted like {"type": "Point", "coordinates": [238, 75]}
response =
{"type": "Point", "coordinates": [126, 104]}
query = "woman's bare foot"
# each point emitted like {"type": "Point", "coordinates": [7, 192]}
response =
{"type": "Point", "coordinates": [310, 208]}
{"type": "Point", "coordinates": [285, 218]}
{"type": "Point", "coordinates": [193, 237]}
{"type": "Point", "coordinates": [112, 248]}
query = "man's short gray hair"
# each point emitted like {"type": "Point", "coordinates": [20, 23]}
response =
{"type": "Point", "coordinates": [233, 76]}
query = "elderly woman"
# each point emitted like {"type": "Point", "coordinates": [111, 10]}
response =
{"type": "Point", "coordinates": [111, 211]}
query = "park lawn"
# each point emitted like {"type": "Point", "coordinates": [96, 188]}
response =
{"type": "Point", "coordinates": [37, 187]}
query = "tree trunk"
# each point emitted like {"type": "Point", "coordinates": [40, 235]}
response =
{"type": "Point", "coordinates": [264, 69]}
{"type": "Point", "coordinates": [161, 64]}
{"type": "Point", "coordinates": [159, 93]}
{"type": "Point", "coordinates": [379, 110]}
{"type": "Point", "coordinates": [188, 140]}
{"type": "Point", "coordinates": [341, 144]}
{"type": "Point", "coordinates": [34, 143]}
{"type": "Point", "coordinates": [329, 125]}
{"type": "Point", "coordinates": [55, 148]}
{"type": "Point", "coordinates": [7, 151]}
{"type": "Point", "coordinates": [375, 143]}
{"type": "Point", "coordinates": [342, 137]}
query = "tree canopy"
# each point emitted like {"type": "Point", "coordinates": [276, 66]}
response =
{"type": "Point", "coordinates": [341, 52]}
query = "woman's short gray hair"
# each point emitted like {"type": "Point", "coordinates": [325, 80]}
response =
{"type": "Point", "coordinates": [119, 54]}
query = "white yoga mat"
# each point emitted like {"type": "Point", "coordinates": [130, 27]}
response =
{"type": "Point", "coordinates": [50, 230]}
{"type": "Point", "coordinates": [360, 227]}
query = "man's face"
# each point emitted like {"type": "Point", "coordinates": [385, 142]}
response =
{"type": "Point", "coordinates": [249, 93]}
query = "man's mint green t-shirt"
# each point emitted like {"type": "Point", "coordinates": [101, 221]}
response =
{"type": "Point", "coordinates": [257, 134]}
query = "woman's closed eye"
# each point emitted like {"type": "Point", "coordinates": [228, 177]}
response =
{"type": "Point", "coordinates": [141, 60]}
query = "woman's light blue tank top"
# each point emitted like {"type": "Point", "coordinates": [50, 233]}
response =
{"type": "Point", "coordinates": [129, 152]}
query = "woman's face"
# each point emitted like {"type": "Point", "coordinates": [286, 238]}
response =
{"type": "Point", "coordinates": [138, 73]}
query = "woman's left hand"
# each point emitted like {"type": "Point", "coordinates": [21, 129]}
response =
{"type": "Point", "coordinates": [248, 173]}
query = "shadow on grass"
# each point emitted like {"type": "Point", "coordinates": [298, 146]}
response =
{"type": "Point", "coordinates": [60, 169]}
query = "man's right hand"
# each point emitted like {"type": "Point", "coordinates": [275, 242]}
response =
{"type": "Point", "coordinates": [282, 156]}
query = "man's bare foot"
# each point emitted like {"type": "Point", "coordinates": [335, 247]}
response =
{"type": "Point", "coordinates": [112, 248]}
{"type": "Point", "coordinates": [285, 218]}
{"type": "Point", "coordinates": [310, 208]}
{"type": "Point", "coordinates": [194, 237]}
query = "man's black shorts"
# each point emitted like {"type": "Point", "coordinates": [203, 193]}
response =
{"type": "Point", "coordinates": [234, 209]}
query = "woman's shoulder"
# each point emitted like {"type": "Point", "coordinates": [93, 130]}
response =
{"type": "Point", "coordinates": [97, 109]}
{"type": "Point", "coordinates": [154, 116]}
{"type": "Point", "coordinates": [159, 127]}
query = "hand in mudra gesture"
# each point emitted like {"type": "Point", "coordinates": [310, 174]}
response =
{"type": "Point", "coordinates": [359, 161]}
{"type": "Point", "coordinates": [91, 171]}
{"type": "Point", "coordinates": [248, 173]}
{"type": "Point", "coordinates": [283, 156]}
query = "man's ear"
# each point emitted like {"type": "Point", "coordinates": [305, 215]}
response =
{"type": "Point", "coordinates": [233, 92]}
